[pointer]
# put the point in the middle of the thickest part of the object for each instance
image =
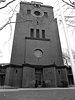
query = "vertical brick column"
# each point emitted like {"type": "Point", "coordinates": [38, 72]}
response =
{"type": "Point", "coordinates": [28, 77]}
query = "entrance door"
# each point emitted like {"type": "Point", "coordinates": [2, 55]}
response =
{"type": "Point", "coordinates": [2, 79]}
{"type": "Point", "coordinates": [38, 77]}
{"type": "Point", "coordinates": [70, 79]}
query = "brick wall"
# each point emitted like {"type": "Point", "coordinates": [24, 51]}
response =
{"type": "Point", "coordinates": [49, 76]}
{"type": "Point", "coordinates": [13, 76]}
{"type": "Point", "coordinates": [28, 77]}
{"type": "Point", "coordinates": [62, 79]}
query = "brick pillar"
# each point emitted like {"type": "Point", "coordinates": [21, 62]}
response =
{"type": "Point", "coordinates": [9, 76]}
{"type": "Point", "coordinates": [28, 77]}
{"type": "Point", "coordinates": [49, 77]}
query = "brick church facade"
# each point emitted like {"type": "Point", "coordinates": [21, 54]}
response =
{"type": "Point", "coordinates": [36, 59]}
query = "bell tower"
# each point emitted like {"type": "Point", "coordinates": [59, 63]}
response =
{"type": "Point", "coordinates": [36, 59]}
{"type": "Point", "coordinates": [36, 38]}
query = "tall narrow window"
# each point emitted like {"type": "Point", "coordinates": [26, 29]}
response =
{"type": "Point", "coordinates": [31, 32]}
{"type": "Point", "coordinates": [45, 14]}
{"type": "Point", "coordinates": [37, 33]}
{"type": "Point", "coordinates": [43, 33]}
{"type": "Point", "coordinates": [16, 71]}
{"type": "Point", "coordinates": [28, 11]}
{"type": "Point", "coordinates": [59, 71]}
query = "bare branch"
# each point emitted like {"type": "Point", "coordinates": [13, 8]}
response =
{"type": "Point", "coordinates": [4, 25]}
{"type": "Point", "coordinates": [7, 4]}
{"type": "Point", "coordinates": [70, 1]}
{"type": "Point", "coordinates": [70, 16]}
{"type": "Point", "coordinates": [66, 9]}
{"type": "Point", "coordinates": [70, 4]}
{"type": "Point", "coordinates": [9, 19]}
{"type": "Point", "coordinates": [71, 25]}
{"type": "Point", "coordinates": [64, 5]}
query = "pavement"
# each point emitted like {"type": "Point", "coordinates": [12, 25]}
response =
{"type": "Point", "coordinates": [38, 94]}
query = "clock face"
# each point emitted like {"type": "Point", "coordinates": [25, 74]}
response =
{"type": "Point", "coordinates": [37, 13]}
{"type": "Point", "coordinates": [38, 53]}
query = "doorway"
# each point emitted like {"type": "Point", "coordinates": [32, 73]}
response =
{"type": "Point", "coordinates": [38, 77]}
{"type": "Point", "coordinates": [2, 79]}
{"type": "Point", "coordinates": [70, 80]}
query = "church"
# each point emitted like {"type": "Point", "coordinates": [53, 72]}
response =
{"type": "Point", "coordinates": [36, 58]}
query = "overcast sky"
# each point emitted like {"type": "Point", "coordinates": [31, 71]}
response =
{"type": "Point", "coordinates": [6, 34]}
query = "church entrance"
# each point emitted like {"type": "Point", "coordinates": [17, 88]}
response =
{"type": "Point", "coordinates": [38, 77]}
{"type": "Point", "coordinates": [2, 79]}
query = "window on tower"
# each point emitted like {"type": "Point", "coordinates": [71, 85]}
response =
{"type": "Point", "coordinates": [43, 33]}
{"type": "Point", "coordinates": [28, 11]}
{"type": "Point", "coordinates": [37, 33]}
{"type": "Point", "coordinates": [45, 14]}
{"type": "Point", "coordinates": [31, 32]}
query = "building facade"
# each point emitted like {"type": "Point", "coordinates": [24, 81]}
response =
{"type": "Point", "coordinates": [36, 59]}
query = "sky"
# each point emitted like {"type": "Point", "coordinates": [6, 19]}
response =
{"type": "Point", "coordinates": [7, 33]}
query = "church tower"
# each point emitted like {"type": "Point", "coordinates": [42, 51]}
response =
{"type": "Point", "coordinates": [36, 47]}
{"type": "Point", "coordinates": [36, 38]}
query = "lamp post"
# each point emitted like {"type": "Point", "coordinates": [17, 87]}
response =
{"type": "Point", "coordinates": [67, 41]}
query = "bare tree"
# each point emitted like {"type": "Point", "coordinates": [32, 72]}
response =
{"type": "Point", "coordinates": [8, 13]}
{"type": "Point", "coordinates": [68, 7]}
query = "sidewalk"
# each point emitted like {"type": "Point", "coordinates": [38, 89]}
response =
{"type": "Point", "coordinates": [38, 94]}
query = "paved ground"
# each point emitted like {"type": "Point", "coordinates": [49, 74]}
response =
{"type": "Point", "coordinates": [38, 94]}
